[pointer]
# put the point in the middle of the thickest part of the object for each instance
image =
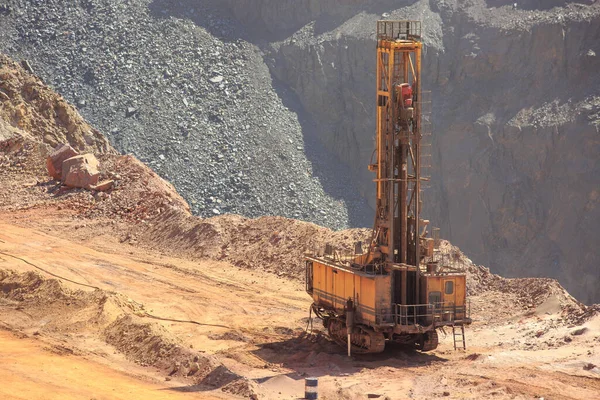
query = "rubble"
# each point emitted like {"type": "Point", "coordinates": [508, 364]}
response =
{"type": "Point", "coordinates": [54, 162]}
{"type": "Point", "coordinates": [74, 170]}
{"type": "Point", "coordinates": [135, 92]}
{"type": "Point", "coordinates": [81, 171]}
{"type": "Point", "coordinates": [103, 186]}
{"type": "Point", "coordinates": [579, 331]}
{"type": "Point", "coordinates": [28, 104]}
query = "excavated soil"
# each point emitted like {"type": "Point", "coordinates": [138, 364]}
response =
{"type": "Point", "coordinates": [28, 104]}
{"type": "Point", "coordinates": [241, 330]}
{"type": "Point", "coordinates": [53, 310]}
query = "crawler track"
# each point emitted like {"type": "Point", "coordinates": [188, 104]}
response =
{"type": "Point", "coordinates": [364, 339]}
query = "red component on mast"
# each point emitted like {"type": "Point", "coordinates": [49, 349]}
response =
{"type": "Point", "coordinates": [407, 94]}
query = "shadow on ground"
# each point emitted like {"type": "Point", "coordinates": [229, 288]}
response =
{"type": "Point", "coordinates": [318, 355]}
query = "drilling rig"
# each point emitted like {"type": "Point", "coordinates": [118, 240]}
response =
{"type": "Point", "coordinates": [396, 289]}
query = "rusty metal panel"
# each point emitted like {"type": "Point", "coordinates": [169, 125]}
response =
{"type": "Point", "coordinates": [460, 288]}
{"type": "Point", "coordinates": [342, 287]}
{"type": "Point", "coordinates": [383, 286]}
{"type": "Point", "coordinates": [367, 291]}
{"type": "Point", "coordinates": [349, 287]}
{"type": "Point", "coordinates": [320, 287]}
{"type": "Point", "coordinates": [450, 297]}
{"type": "Point", "coordinates": [434, 284]}
{"type": "Point", "coordinates": [329, 288]}
{"type": "Point", "coordinates": [372, 295]}
{"type": "Point", "coordinates": [383, 301]}
{"type": "Point", "coordinates": [317, 281]}
{"type": "Point", "coordinates": [366, 295]}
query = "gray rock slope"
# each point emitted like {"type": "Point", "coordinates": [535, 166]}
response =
{"type": "Point", "coordinates": [266, 107]}
{"type": "Point", "coordinates": [200, 108]}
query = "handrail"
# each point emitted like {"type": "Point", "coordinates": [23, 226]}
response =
{"type": "Point", "coordinates": [395, 30]}
{"type": "Point", "coordinates": [418, 313]}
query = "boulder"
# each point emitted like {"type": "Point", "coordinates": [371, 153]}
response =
{"type": "Point", "coordinates": [103, 186]}
{"type": "Point", "coordinates": [54, 162]}
{"type": "Point", "coordinates": [81, 171]}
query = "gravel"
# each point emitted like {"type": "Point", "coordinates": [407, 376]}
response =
{"type": "Point", "coordinates": [197, 106]}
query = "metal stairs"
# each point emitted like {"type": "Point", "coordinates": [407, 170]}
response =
{"type": "Point", "coordinates": [458, 333]}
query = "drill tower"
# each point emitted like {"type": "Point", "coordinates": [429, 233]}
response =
{"type": "Point", "coordinates": [395, 291]}
{"type": "Point", "coordinates": [398, 150]}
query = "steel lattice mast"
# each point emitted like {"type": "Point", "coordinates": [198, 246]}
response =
{"type": "Point", "coordinates": [397, 167]}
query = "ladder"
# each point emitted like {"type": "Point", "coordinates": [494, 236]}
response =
{"type": "Point", "coordinates": [459, 337]}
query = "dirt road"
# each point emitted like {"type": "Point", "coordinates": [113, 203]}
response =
{"type": "Point", "coordinates": [253, 323]}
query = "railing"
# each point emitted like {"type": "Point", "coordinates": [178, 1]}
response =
{"type": "Point", "coordinates": [347, 258]}
{"type": "Point", "coordinates": [424, 314]}
{"type": "Point", "coordinates": [402, 30]}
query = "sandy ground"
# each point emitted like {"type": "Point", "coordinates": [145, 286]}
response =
{"type": "Point", "coordinates": [33, 370]}
{"type": "Point", "coordinates": [254, 324]}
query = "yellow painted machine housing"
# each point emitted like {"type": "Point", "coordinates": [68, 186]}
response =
{"type": "Point", "coordinates": [333, 285]}
{"type": "Point", "coordinates": [443, 297]}
{"type": "Point", "coordinates": [397, 287]}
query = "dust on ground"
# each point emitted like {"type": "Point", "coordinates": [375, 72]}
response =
{"type": "Point", "coordinates": [240, 331]}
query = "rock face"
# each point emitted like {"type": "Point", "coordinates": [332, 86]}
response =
{"type": "Point", "coordinates": [54, 162]}
{"type": "Point", "coordinates": [516, 108]}
{"type": "Point", "coordinates": [81, 171]}
{"type": "Point", "coordinates": [248, 89]}
{"type": "Point", "coordinates": [29, 104]}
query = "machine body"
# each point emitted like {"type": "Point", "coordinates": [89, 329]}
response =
{"type": "Point", "coordinates": [396, 290]}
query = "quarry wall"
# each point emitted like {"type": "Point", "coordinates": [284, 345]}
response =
{"type": "Point", "coordinates": [515, 110]}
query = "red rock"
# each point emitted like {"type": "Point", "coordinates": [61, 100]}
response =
{"type": "Point", "coordinates": [103, 186]}
{"type": "Point", "coordinates": [54, 162]}
{"type": "Point", "coordinates": [81, 171]}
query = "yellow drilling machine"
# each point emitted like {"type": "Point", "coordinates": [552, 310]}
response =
{"type": "Point", "coordinates": [397, 288]}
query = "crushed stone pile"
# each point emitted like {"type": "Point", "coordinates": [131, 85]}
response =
{"type": "Point", "coordinates": [31, 128]}
{"type": "Point", "coordinates": [139, 194]}
{"type": "Point", "coordinates": [200, 108]}
{"type": "Point", "coordinates": [136, 194]}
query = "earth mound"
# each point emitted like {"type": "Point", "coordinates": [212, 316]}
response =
{"type": "Point", "coordinates": [29, 104]}
{"type": "Point", "coordinates": [53, 309]}
{"type": "Point", "coordinates": [273, 244]}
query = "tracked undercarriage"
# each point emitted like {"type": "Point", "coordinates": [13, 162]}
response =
{"type": "Point", "coordinates": [363, 338]}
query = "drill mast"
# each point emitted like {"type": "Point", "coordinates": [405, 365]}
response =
{"type": "Point", "coordinates": [398, 150]}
